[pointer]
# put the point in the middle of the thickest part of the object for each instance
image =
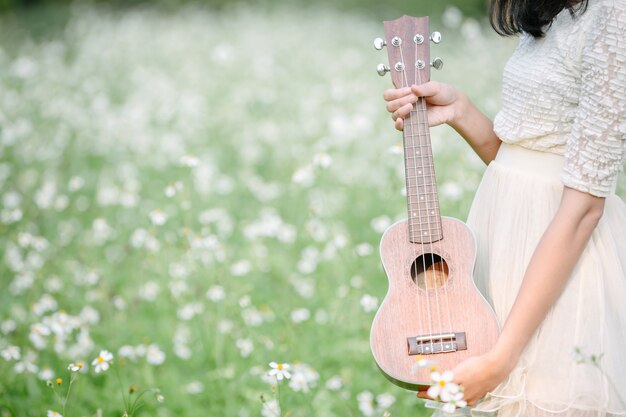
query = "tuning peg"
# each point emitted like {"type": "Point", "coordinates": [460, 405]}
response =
{"type": "Point", "coordinates": [437, 63]}
{"type": "Point", "coordinates": [382, 69]}
{"type": "Point", "coordinates": [435, 37]}
{"type": "Point", "coordinates": [379, 43]}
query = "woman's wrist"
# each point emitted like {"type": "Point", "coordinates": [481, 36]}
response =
{"type": "Point", "coordinates": [501, 362]}
{"type": "Point", "coordinates": [459, 110]}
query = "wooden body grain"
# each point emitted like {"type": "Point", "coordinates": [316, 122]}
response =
{"type": "Point", "coordinates": [397, 317]}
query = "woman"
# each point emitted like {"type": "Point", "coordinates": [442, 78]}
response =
{"type": "Point", "coordinates": [550, 231]}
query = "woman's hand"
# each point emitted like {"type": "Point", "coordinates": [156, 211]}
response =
{"type": "Point", "coordinates": [479, 375]}
{"type": "Point", "coordinates": [444, 102]}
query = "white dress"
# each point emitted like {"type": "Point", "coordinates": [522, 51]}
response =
{"type": "Point", "coordinates": [562, 122]}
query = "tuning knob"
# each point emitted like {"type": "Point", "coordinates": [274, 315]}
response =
{"type": "Point", "coordinates": [382, 69]}
{"type": "Point", "coordinates": [379, 43]}
{"type": "Point", "coordinates": [437, 63]}
{"type": "Point", "coordinates": [435, 37]}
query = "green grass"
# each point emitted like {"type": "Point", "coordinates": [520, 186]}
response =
{"type": "Point", "coordinates": [117, 99]}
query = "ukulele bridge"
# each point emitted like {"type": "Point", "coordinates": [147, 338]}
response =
{"type": "Point", "coordinates": [436, 343]}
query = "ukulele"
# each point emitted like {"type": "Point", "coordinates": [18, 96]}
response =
{"type": "Point", "coordinates": [432, 306]}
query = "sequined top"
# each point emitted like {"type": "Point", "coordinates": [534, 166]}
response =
{"type": "Point", "coordinates": [566, 94]}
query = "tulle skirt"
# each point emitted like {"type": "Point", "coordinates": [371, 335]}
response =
{"type": "Point", "coordinates": [575, 364]}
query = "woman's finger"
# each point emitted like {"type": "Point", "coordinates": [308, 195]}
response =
{"type": "Point", "coordinates": [428, 89]}
{"type": "Point", "coordinates": [399, 124]}
{"type": "Point", "coordinates": [402, 111]}
{"type": "Point", "coordinates": [395, 105]}
{"type": "Point", "coordinates": [423, 395]}
{"type": "Point", "coordinates": [396, 93]}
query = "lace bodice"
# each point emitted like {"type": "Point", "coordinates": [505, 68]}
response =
{"type": "Point", "coordinates": [566, 94]}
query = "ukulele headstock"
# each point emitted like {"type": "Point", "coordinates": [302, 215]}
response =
{"type": "Point", "coordinates": [408, 50]}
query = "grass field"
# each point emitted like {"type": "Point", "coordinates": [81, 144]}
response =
{"type": "Point", "coordinates": [202, 194]}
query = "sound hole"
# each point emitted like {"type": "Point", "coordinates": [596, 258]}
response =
{"type": "Point", "coordinates": [430, 271]}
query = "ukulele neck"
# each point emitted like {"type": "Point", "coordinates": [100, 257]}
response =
{"type": "Point", "coordinates": [424, 218]}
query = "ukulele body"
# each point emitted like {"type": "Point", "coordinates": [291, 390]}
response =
{"type": "Point", "coordinates": [432, 307]}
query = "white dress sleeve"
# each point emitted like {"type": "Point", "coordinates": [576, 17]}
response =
{"type": "Point", "coordinates": [596, 148]}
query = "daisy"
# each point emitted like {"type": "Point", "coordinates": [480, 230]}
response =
{"type": "Point", "coordinates": [443, 386]}
{"type": "Point", "coordinates": [75, 367]}
{"type": "Point", "coordinates": [421, 362]}
{"type": "Point", "coordinates": [53, 414]}
{"type": "Point", "coordinates": [103, 361]}
{"type": "Point", "coordinates": [455, 402]}
{"type": "Point", "coordinates": [280, 370]}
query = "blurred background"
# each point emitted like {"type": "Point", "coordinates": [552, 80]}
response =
{"type": "Point", "coordinates": [190, 191]}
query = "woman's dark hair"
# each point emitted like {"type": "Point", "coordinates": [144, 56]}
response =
{"type": "Point", "coordinates": [510, 17]}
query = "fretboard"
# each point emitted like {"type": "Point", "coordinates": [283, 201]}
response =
{"type": "Point", "coordinates": [424, 218]}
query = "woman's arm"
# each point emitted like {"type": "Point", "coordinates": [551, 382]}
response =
{"type": "Point", "coordinates": [547, 274]}
{"type": "Point", "coordinates": [445, 104]}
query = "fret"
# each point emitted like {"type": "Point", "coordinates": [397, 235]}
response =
{"type": "Point", "coordinates": [429, 227]}
{"type": "Point", "coordinates": [423, 213]}
{"type": "Point", "coordinates": [420, 175]}
{"type": "Point", "coordinates": [421, 233]}
{"type": "Point", "coordinates": [418, 189]}
{"type": "Point", "coordinates": [418, 199]}
{"type": "Point", "coordinates": [430, 211]}
{"type": "Point", "coordinates": [426, 167]}
{"type": "Point", "coordinates": [423, 229]}
{"type": "Point", "coordinates": [431, 175]}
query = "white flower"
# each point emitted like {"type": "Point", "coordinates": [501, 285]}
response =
{"type": "Point", "coordinates": [194, 387]}
{"type": "Point", "coordinates": [89, 315]}
{"type": "Point", "coordinates": [46, 374]}
{"type": "Point", "coordinates": [334, 383]}
{"type": "Point", "coordinates": [189, 311]}
{"type": "Point", "coordinates": [452, 191]}
{"type": "Point", "coordinates": [158, 217]}
{"type": "Point", "coordinates": [304, 176]}
{"type": "Point", "coordinates": [421, 362]}
{"type": "Point", "coordinates": [385, 400]}
{"type": "Point", "coordinates": [103, 361]}
{"type": "Point", "coordinates": [149, 291]}
{"type": "Point", "coordinates": [76, 183]}
{"type": "Point", "coordinates": [8, 326]}
{"type": "Point", "coordinates": [322, 159]}
{"type": "Point", "coordinates": [245, 347]}
{"type": "Point", "coordinates": [240, 268]}
{"type": "Point", "coordinates": [366, 403]}
{"type": "Point", "coordinates": [364, 249]}
{"type": "Point", "coordinates": [173, 188]}
{"type": "Point", "coordinates": [452, 17]}
{"type": "Point", "coordinates": [271, 408]}
{"type": "Point", "coordinates": [252, 317]}
{"type": "Point", "coordinates": [189, 161]}
{"type": "Point", "coordinates": [216, 293]}
{"type": "Point", "coordinates": [456, 401]}
{"type": "Point", "coordinates": [75, 367]}
{"type": "Point", "coordinates": [46, 303]}
{"type": "Point", "coordinates": [154, 355]}
{"type": "Point", "coordinates": [27, 364]}
{"type": "Point", "coordinates": [11, 353]}
{"type": "Point", "coordinates": [53, 414]}
{"type": "Point", "coordinates": [280, 370]}
{"type": "Point", "coordinates": [303, 378]}
{"type": "Point", "coordinates": [127, 351]}
{"type": "Point", "coordinates": [369, 303]}
{"type": "Point", "coordinates": [443, 387]}
{"type": "Point", "coordinates": [299, 315]}
{"type": "Point", "coordinates": [380, 224]}
{"type": "Point", "coordinates": [225, 326]}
